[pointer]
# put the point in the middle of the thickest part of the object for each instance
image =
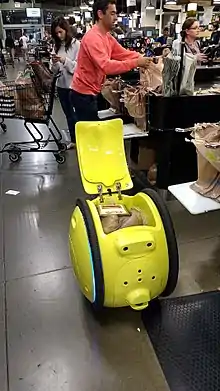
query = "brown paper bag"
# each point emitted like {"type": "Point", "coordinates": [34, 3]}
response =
{"type": "Point", "coordinates": [135, 101]}
{"type": "Point", "coordinates": [111, 91]}
{"type": "Point", "coordinates": [28, 103]}
{"type": "Point", "coordinates": [151, 77]}
{"type": "Point", "coordinates": [208, 183]}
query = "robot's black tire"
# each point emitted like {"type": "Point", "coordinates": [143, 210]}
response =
{"type": "Point", "coordinates": [171, 241]}
{"type": "Point", "coordinates": [96, 255]}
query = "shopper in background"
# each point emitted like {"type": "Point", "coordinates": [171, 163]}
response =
{"type": "Point", "coordinates": [215, 37]}
{"type": "Point", "coordinates": [10, 48]}
{"type": "Point", "coordinates": [163, 38]}
{"type": "Point", "coordinates": [63, 60]}
{"type": "Point", "coordinates": [23, 43]}
{"type": "Point", "coordinates": [189, 34]}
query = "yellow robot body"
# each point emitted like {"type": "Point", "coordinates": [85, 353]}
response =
{"type": "Point", "coordinates": [130, 266]}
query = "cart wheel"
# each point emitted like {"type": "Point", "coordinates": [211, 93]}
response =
{"type": "Point", "coordinates": [4, 127]}
{"type": "Point", "coordinates": [62, 147]}
{"type": "Point", "coordinates": [14, 157]}
{"type": "Point", "coordinates": [96, 258]}
{"type": "Point", "coordinates": [14, 149]}
{"type": "Point", "coordinates": [60, 158]}
{"type": "Point", "coordinates": [171, 241]}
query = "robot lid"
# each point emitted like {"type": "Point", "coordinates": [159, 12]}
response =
{"type": "Point", "coordinates": [101, 156]}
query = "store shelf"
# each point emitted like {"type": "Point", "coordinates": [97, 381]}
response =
{"type": "Point", "coordinates": [132, 131]}
{"type": "Point", "coordinates": [192, 201]}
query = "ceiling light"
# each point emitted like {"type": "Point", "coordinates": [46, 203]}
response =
{"type": "Point", "coordinates": [192, 7]}
{"type": "Point", "coordinates": [150, 6]}
{"type": "Point", "coordinates": [84, 6]}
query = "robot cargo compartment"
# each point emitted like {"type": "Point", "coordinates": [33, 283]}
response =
{"type": "Point", "coordinates": [120, 217]}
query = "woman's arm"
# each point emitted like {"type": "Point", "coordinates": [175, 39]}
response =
{"type": "Point", "coordinates": [54, 66]}
{"type": "Point", "coordinates": [71, 58]}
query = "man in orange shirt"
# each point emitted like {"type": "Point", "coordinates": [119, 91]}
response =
{"type": "Point", "coordinates": [100, 54]}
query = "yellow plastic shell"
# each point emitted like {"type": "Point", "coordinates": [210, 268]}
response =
{"type": "Point", "coordinates": [134, 259]}
{"type": "Point", "coordinates": [101, 156]}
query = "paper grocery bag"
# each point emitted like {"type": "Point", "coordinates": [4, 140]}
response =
{"type": "Point", "coordinates": [208, 183]}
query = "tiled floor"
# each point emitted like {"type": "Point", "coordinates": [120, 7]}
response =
{"type": "Point", "coordinates": [49, 339]}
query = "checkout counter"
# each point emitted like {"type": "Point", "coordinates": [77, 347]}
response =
{"type": "Point", "coordinates": [167, 117]}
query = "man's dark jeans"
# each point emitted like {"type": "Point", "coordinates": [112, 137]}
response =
{"type": "Point", "coordinates": [86, 106]}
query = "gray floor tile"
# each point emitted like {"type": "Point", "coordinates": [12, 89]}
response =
{"type": "Point", "coordinates": [55, 343]}
{"type": "Point", "coordinates": [41, 192]}
{"type": "Point", "coordinates": [200, 262]}
{"type": "Point", "coordinates": [193, 227]}
{"type": "Point", "coordinates": [3, 368]}
{"type": "Point", "coordinates": [38, 221]}
{"type": "Point", "coordinates": [40, 242]}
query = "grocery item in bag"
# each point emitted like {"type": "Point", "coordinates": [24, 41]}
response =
{"type": "Point", "coordinates": [208, 182]}
{"type": "Point", "coordinates": [135, 101]}
{"type": "Point", "coordinates": [151, 77]}
{"type": "Point", "coordinates": [207, 142]}
{"type": "Point", "coordinates": [111, 223]}
{"type": "Point", "coordinates": [111, 91]}
{"type": "Point", "coordinates": [188, 74]}
{"type": "Point", "coordinates": [28, 103]}
{"type": "Point", "coordinates": [42, 75]}
{"type": "Point", "coordinates": [170, 74]}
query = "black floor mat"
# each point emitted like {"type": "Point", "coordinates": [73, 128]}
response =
{"type": "Point", "coordinates": [185, 333]}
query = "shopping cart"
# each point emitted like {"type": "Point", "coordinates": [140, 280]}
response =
{"type": "Point", "coordinates": [34, 106]}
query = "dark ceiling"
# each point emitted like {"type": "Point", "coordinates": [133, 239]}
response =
{"type": "Point", "coordinates": [121, 4]}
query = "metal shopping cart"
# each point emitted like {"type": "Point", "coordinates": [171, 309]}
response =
{"type": "Point", "coordinates": [34, 106]}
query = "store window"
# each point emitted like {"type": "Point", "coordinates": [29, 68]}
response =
{"type": "Point", "coordinates": [19, 17]}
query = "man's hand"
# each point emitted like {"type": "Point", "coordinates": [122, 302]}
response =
{"type": "Point", "coordinates": [143, 62]}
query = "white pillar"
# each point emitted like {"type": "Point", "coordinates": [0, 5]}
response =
{"type": "Point", "coordinates": [147, 16]}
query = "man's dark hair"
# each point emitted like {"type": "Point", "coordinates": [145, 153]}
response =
{"type": "Point", "coordinates": [101, 5]}
{"type": "Point", "coordinates": [165, 29]}
{"type": "Point", "coordinates": [215, 25]}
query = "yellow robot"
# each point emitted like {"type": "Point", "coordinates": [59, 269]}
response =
{"type": "Point", "coordinates": [130, 266]}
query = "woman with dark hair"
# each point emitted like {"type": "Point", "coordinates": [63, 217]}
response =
{"type": "Point", "coordinates": [189, 34]}
{"type": "Point", "coordinates": [64, 57]}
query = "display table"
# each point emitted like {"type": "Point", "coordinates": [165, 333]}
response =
{"type": "Point", "coordinates": [129, 130]}
{"type": "Point", "coordinates": [192, 201]}
{"type": "Point", "coordinates": [107, 114]}
{"type": "Point", "coordinates": [132, 131]}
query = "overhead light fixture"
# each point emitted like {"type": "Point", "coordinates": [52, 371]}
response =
{"type": "Point", "coordinates": [91, 2]}
{"type": "Point", "coordinates": [172, 5]}
{"type": "Point", "coordinates": [150, 6]}
{"type": "Point", "coordinates": [84, 6]}
{"type": "Point", "coordinates": [192, 7]}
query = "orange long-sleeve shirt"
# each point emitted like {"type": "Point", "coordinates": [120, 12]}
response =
{"type": "Point", "coordinates": [100, 55]}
